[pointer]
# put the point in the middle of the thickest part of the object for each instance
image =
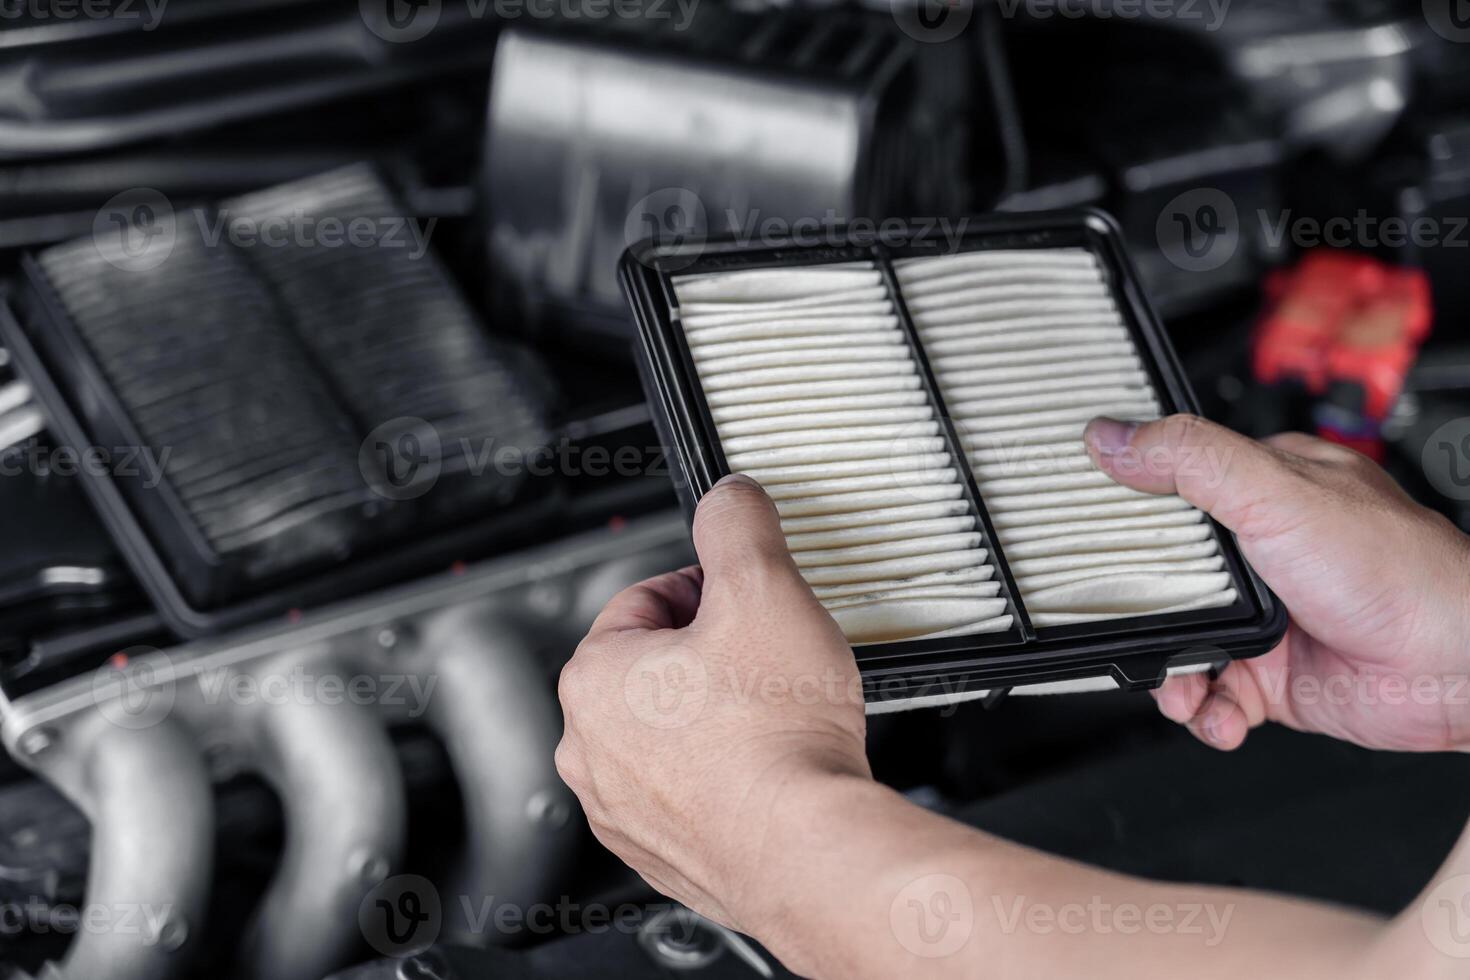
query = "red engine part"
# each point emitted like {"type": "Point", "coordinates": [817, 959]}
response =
{"type": "Point", "coordinates": [1346, 328]}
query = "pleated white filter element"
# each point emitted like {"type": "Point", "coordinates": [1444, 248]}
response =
{"type": "Point", "coordinates": [816, 393]}
{"type": "Point", "coordinates": [1027, 346]}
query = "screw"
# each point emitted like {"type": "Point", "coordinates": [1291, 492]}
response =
{"type": "Point", "coordinates": [368, 866]}
{"type": "Point", "coordinates": [549, 809]}
{"type": "Point", "coordinates": [387, 638]}
{"type": "Point", "coordinates": [425, 966]}
{"type": "Point", "coordinates": [36, 741]}
{"type": "Point", "coordinates": [172, 933]}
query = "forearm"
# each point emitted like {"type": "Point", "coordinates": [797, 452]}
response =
{"type": "Point", "coordinates": [873, 886]}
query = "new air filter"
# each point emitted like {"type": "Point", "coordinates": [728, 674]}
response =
{"type": "Point", "coordinates": [915, 409]}
{"type": "Point", "coordinates": [847, 443]}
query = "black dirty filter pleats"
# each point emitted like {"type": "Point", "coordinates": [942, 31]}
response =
{"type": "Point", "coordinates": [257, 374]}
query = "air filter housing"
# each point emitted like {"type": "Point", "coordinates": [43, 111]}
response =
{"type": "Point", "coordinates": [915, 409]}
{"type": "Point", "coordinates": [597, 140]}
{"type": "Point", "coordinates": [316, 408]}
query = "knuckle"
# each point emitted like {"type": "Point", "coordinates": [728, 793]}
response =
{"type": "Point", "coordinates": [572, 683]}
{"type": "Point", "coordinates": [1359, 464]}
{"type": "Point", "coordinates": [722, 507]}
{"type": "Point", "coordinates": [761, 578]}
{"type": "Point", "coordinates": [563, 760]}
{"type": "Point", "coordinates": [569, 766]}
{"type": "Point", "coordinates": [1183, 430]}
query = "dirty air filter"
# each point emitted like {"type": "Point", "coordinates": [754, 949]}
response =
{"type": "Point", "coordinates": [300, 406]}
{"type": "Point", "coordinates": [915, 410]}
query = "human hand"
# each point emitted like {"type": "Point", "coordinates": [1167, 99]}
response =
{"type": "Point", "coordinates": [701, 701]}
{"type": "Point", "coordinates": [1378, 587]}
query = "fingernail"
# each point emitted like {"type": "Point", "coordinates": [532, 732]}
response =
{"type": "Point", "coordinates": [1109, 437]}
{"type": "Point", "coordinates": [735, 478]}
{"type": "Point", "coordinates": [1213, 723]}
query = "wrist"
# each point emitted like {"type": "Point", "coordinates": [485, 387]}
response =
{"type": "Point", "coordinates": [798, 837]}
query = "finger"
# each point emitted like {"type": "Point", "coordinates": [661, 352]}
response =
{"type": "Point", "coordinates": [1221, 723]}
{"type": "Point", "coordinates": [1239, 682]}
{"type": "Point", "coordinates": [667, 601]}
{"type": "Point", "coordinates": [1308, 447]}
{"type": "Point", "coordinates": [1179, 698]}
{"type": "Point", "coordinates": [737, 535]}
{"type": "Point", "coordinates": [1221, 472]}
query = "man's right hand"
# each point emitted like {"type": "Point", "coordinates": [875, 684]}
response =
{"type": "Point", "coordinates": [1378, 587]}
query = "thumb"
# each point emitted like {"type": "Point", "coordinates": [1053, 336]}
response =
{"type": "Point", "coordinates": [737, 535]}
{"type": "Point", "coordinates": [1230, 477]}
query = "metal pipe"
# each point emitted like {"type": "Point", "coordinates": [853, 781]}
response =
{"type": "Point", "coordinates": [497, 716]}
{"type": "Point", "coordinates": [335, 771]}
{"type": "Point", "coordinates": [146, 791]}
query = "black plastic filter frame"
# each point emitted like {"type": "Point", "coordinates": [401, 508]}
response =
{"type": "Point", "coordinates": [1135, 652]}
{"type": "Point", "coordinates": [149, 524]}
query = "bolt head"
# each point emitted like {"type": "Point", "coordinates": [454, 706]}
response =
{"type": "Point", "coordinates": [36, 741]}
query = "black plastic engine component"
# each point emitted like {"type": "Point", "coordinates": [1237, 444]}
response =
{"type": "Point", "coordinates": [89, 83]}
{"type": "Point", "coordinates": [59, 560]}
{"type": "Point", "coordinates": [732, 124]}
